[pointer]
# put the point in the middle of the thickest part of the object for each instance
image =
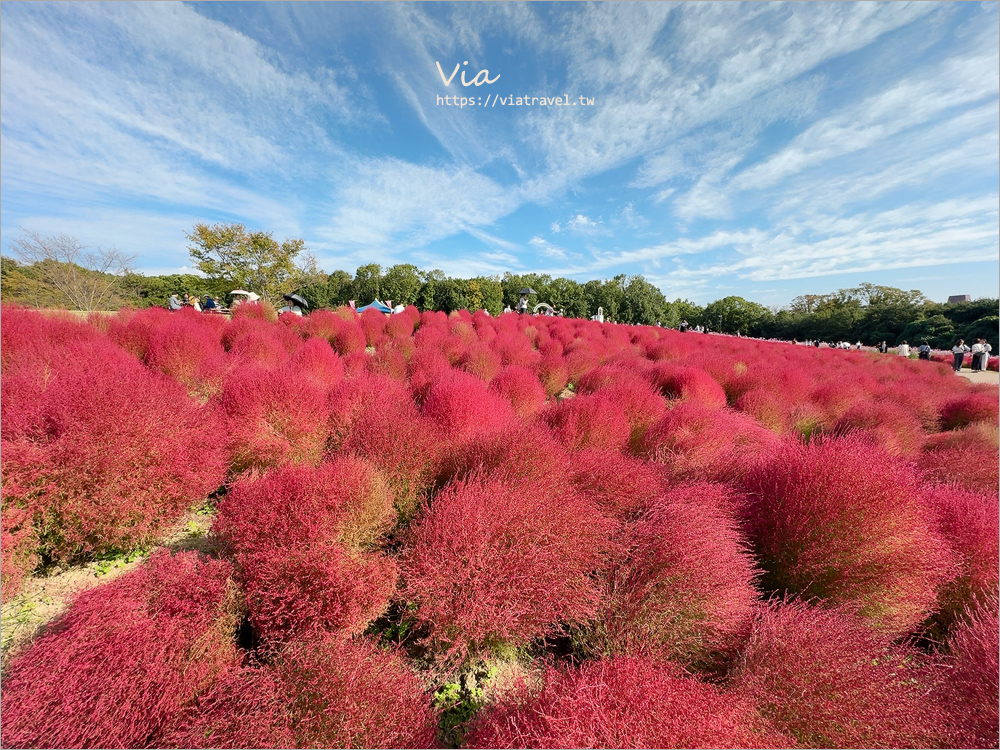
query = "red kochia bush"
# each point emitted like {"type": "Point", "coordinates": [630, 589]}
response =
{"type": "Point", "coordinates": [970, 522]}
{"type": "Point", "coordinates": [463, 406]}
{"type": "Point", "coordinates": [273, 417]}
{"type": "Point", "coordinates": [303, 538]}
{"type": "Point", "coordinates": [495, 561]}
{"type": "Point", "coordinates": [687, 384]}
{"type": "Point", "coordinates": [589, 421]}
{"type": "Point", "coordinates": [619, 484]}
{"type": "Point", "coordinates": [523, 453]}
{"type": "Point", "coordinates": [970, 690]}
{"type": "Point", "coordinates": [824, 678]}
{"type": "Point", "coordinates": [107, 453]}
{"type": "Point", "coordinates": [553, 374]}
{"type": "Point", "coordinates": [694, 441]}
{"type": "Point", "coordinates": [682, 585]}
{"type": "Point", "coordinates": [247, 707]}
{"type": "Point", "coordinates": [187, 350]}
{"type": "Point", "coordinates": [316, 361]}
{"type": "Point", "coordinates": [18, 543]}
{"type": "Point", "coordinates": [844, 521]}
{"type": "Point", "coordinates": [888, 424]}
{"type": "Point", "coordinates": [125, 659]}
{"type": "Point", "coordinates": [521, 387]}
{"type": "Point", "coordinates": [967, 456]}
{"type": "Point", "coordinates": [968, 408]}
{"type": "Point", "coordinates": [354, 694]}
{"type": "Point", "coordinates": [622, 702]}
{"type": "Point", "coordinates": [374, 418]}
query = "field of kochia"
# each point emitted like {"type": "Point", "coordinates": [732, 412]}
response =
{"type": "Point", "coordinates": [495, 532]}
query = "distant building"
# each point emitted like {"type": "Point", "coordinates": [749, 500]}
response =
{"type": "Point", "coordinates": [956, 298]}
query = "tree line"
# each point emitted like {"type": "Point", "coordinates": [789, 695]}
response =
{"type": "Point", "coordinates": [229, 257]}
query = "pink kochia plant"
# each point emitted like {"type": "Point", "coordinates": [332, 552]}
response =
{"type": "Point", "coordinates": [273, 417]}
{"type": "Point", "coordinates": [305, 540]}
{"type": "Point", "coordinates": [621, 702]}
{"type": "Point", "coordinates": [494, 561]}
{"type": "Point", "coordinates": [693, 441]}
{"type": "Point", "coordinates": [844, 521]}
{"type": "Point", "coordinates": [126, 658]}
{"type": "Point", "coordinates": [970, 521]}
{"type": "Point", "coordinates": [969, 690]}
{"type": "Point", "coordinates": [682, 585]}
{"type": "Point", "coordinates": [824, 678]}
{"type": "Point", "coordinates": [101, 452]}
{"type": "Point", "coordinates": [318, 692]}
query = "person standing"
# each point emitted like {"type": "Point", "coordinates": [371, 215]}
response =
{"type": "Point", "coordinates": [904, 350]}
{"type": "Point", "coordinates": [924, 351]}
{"type": "Point", "coordinates": [959, 351]}
{"type": "Point", "coordinates": [883, 347]}
{"type": "Point", "coordinates": [175, 303]}
{"type": "Point", "coordinates": [984, 360]}
{"type": "Point", "coordinates": [977, 353]}
{"type": "Point", "coordinates": [522, 304]}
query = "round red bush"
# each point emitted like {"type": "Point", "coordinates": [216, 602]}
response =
{"type": "Point", "coordinates": [843, 520]}
{"type": "Point", "coordinates": [354, 694]}
{"type": "Point", "coordinates": [18, 543]}
{"type": "Point", "coordinates": [494, 561]}
{"type": "Point", "coordinates": [247, 707]}
{"type": "Point", "coordinates": [619, 484]}
{"type": "Point", "coordinates": [825, 679]}
{"type": "Point", "coordinates": [273, 417]}
{"type": "Point", "coordinates": [622, 702]}
{"type": "Point", "coordinates": [694, 441]}
{"type": "Point", "coordinates": [463, 406]}
{"type": "Point", "coordinates": [107, 453]}
{"type": "Point", "coordinates": [682, 585]}
{"type": "Point", "coordinates": [970, 691]}
{"type": "Point", "coordinates": [970, 521]}
{"type": "Point", "coordinates": [305, 540]}
{"type": "Point", "coordinates": [521, 387]}
{"type": "Point", "coordinates": [374, 418]}
{"type": "Point", "coordinates": [968, 408]}
{"type": "Point", "coordinates": [125, 659]}
{"type": "Point", "coordinates": [589, 421]}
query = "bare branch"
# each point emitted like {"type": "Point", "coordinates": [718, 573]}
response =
{"type": "Point", "coordinates": [88, 278]}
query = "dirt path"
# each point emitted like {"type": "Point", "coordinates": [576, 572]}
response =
{"type": "Point", "coordinates": [981, 377]}
{"type": "Point", "coordinates": [45, 597]}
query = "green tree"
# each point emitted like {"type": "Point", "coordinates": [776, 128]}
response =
{"type": "Point", "coordinates": [568, 296]}
{"type": "Point", "coordinates": [427, 297]}
{"type": "Point", "coordinates": [984, 328]}
{"type": "Point", "coordinates": [401, 284]}
{"type": "Point", "coordinates": [735, 315]}
{"type": "Point", "coordinates": [491, 294]}
{"type": "Point", "coordinates": [642, 303]}
{"type": "Point", "coordinates": [230, 256]}
{"type": "Point", "coordinates": [936, 330]}
{"type": "Point", "coordinates": [681, 309]}
{"type": "Point", "coordinates": [368, 284]}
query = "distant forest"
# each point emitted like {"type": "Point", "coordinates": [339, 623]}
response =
{"type": "Point", "coordinates": [868, 313]}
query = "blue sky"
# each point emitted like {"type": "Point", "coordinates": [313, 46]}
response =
{"type": "Point", "coordinates": [763, 150]}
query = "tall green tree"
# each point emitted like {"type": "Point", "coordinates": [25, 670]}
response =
{"type": "Point", "coordinates": [642, 303]}
{"type": "Point", "coordinates": [368, 284]}
{"type": "Point", "coordinates": [401, 284]}
{"type": "Point", "coordinates": [233, 257]}
{"type": "Point", "coordinates": [735, 315]}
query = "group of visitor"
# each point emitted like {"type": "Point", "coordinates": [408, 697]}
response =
{"type": "Point", "coordinates": [980, 351]}
{"type": "Point", "coordinates": [209, 303]}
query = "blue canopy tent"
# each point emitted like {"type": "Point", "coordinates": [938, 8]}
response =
{"type": "Point", "coordinates": [381, 307]}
